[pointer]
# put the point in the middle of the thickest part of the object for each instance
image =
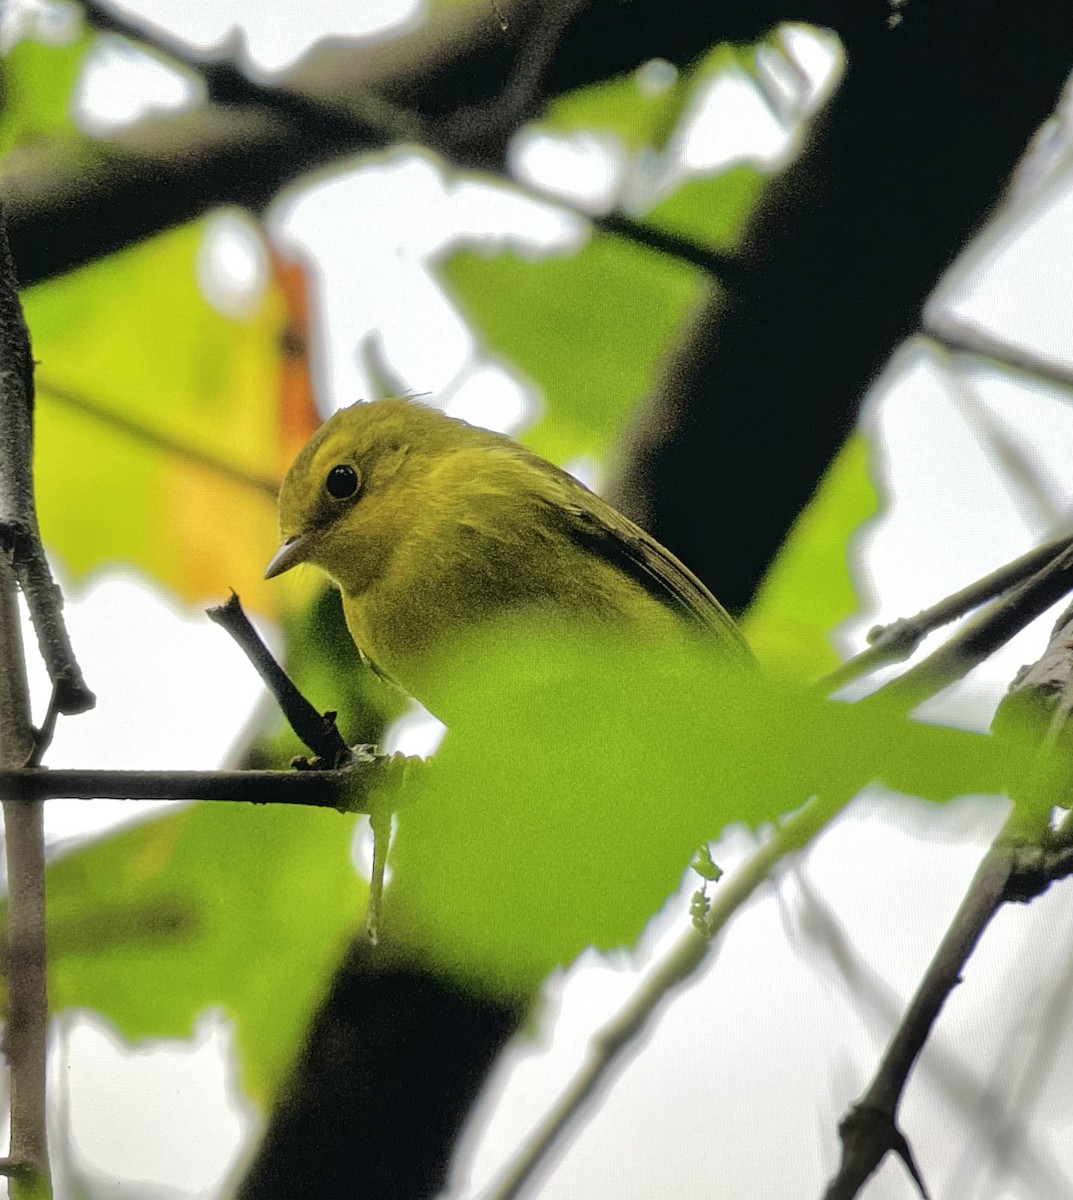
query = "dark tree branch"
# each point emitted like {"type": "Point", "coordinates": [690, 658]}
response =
{"type": "Point", "coordinates": [476, 136]}
{"type": "Point", "coordinates": [726, 269]}
{"type": "Point", "coordinates": [904, 164]}
{"type": "Point", "coordinates": [315, 730]}
{"type": "Point", "coordinates": [345, 788]}
{"type": "Point", "coordinates": [73, 201]}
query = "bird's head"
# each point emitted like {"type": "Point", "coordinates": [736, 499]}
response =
{"type": "Point", "coordinates": [355, 487]}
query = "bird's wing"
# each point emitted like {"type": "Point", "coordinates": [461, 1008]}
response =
{"type": "Point", "coordinates": [593, 524]}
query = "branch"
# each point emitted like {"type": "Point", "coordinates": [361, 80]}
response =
{"type": "Point", "coordinates": [959, 337]}
{"type": "Point", "coordinates": [346, 788]}
{"type": "Point", "coordinates": [870, 1130]}
{"type": "Point", "coordinates": [487, 128]}
{"type": "Point", "coordinates": [983, 636]}
{"type": "Point", "coordinates": [726, 269]}
{"type": "Point", "coordinates": [1015, 869]}
{"type": "Point", "coordinates": [899, 640]}
{"type": "Point", "coordinates": [469, 135]}
{"type": "Point", "coordinates": [609, 1047]}
{"type": "Point", "coordinates": [319, 733]}
{"type": "Point", "coordinates": [75, 199]}
{"type": "Point", "coordinates": [1024, 859]}
{"type": "Point", "coordinates": [19, 535]}
{"type": "Point", "coordinates": [24, 1040]}
{"type": "Point", "coordinates": [316, 731]}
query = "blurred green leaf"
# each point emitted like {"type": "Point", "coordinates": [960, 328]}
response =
{"type": "Point", "coordinates": [623, 107]}
{"type": "Point", "coordinates": [634, 107]}
{"type": "Point", "coordinates": [587, 331]}
{"type": "Point", "coordinates": [711, 211]}
{"type": "Point", "coordinates": [580, 774]}
{"type": "Point", "coordinates": [135, 342]}
{"type": "Point", "coordinates": [808, 590]}
{"type": "Point", "coordinates": [38, 82]}
{"type": "Point", "coordinates": [242, 907]}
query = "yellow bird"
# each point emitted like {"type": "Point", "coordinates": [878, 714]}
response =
{"type": "Point", "coordinates": [430, 526]}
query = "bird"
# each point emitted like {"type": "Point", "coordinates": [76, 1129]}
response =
{"type": "Point", "coordinates": [431, 527]}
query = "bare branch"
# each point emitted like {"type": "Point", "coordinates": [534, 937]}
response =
{"type": "Point", "coordinates": [346, 788]}
{"type": "Point", "coordinates": [256, 135]}
{"type": "Point", "coordinates": [897, 641]}
{"type": "Point", "coordinates": [316, 731]}
{"type": "Point", "coordinates": [19, 536]}
{"type": "Point", "coordinates": [983, 636]}
{"type": "Point", "coordinates": [24, 1040]}
{"type": "Point", "coordinates": [962, 339]}
{"type": "Point", "coordinates": [1024, 859]}
{"type": "Point", "coordinates": [493, 123]}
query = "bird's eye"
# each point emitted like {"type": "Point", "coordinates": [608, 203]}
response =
{"type": "Point", "coordinates": [342, 482]}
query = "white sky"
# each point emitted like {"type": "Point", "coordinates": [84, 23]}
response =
{"type": "Point", "coordinates": [751, 1068]}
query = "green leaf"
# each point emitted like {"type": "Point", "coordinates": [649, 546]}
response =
{"type": "Point", "coordinates": [587, 331]}
{"type": "Point", "coordinates": [808, 590]}
{"type": "Point", "coordinates": [241, 907]}
{"type": "Point", "coordinates": [628, 107]}
{"type": "Point", "coordinates": [580, 774]}
{"type": "Point", "coordinates": [38, 83]}
{"type": "Point", "coordinates": [705, 866]}
{"type": "Point", "coordinates": [131, 344]}
{"type": "Point", "coordinates": [622, 107]}
{"type": "Point", "coordinates": [711, 211]}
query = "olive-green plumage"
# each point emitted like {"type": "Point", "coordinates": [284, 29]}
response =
{"type": "Point", "coordinates": [430, 526]}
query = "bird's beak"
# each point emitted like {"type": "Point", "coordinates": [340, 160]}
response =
{"type": "Point", "coordinates": [290, 554]}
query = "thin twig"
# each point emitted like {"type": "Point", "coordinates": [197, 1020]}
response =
{"type": "Point", "coordinates": [608, 1048]}
{"type": "Point", "coordinates": [993, 628]}
{"type": "Point", "coordinates": [521, 96]}
{"type": "Point", "coordinates": [1032, 488]}
{"type": "Point", "coordinates": [316, 731]}
{"type": "Point", "coordinates": [345, 788]}
{"type": "Point", "coordinates": [44, 734]}
{"type": "Point", "coordinates": [727, 269]}
{"type": "Point", "coordinates": [897, 641]}
{"type": "Point", "coordinates": [962, 338]}
{"type": "Point", "coordinates": [869, 1131]}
